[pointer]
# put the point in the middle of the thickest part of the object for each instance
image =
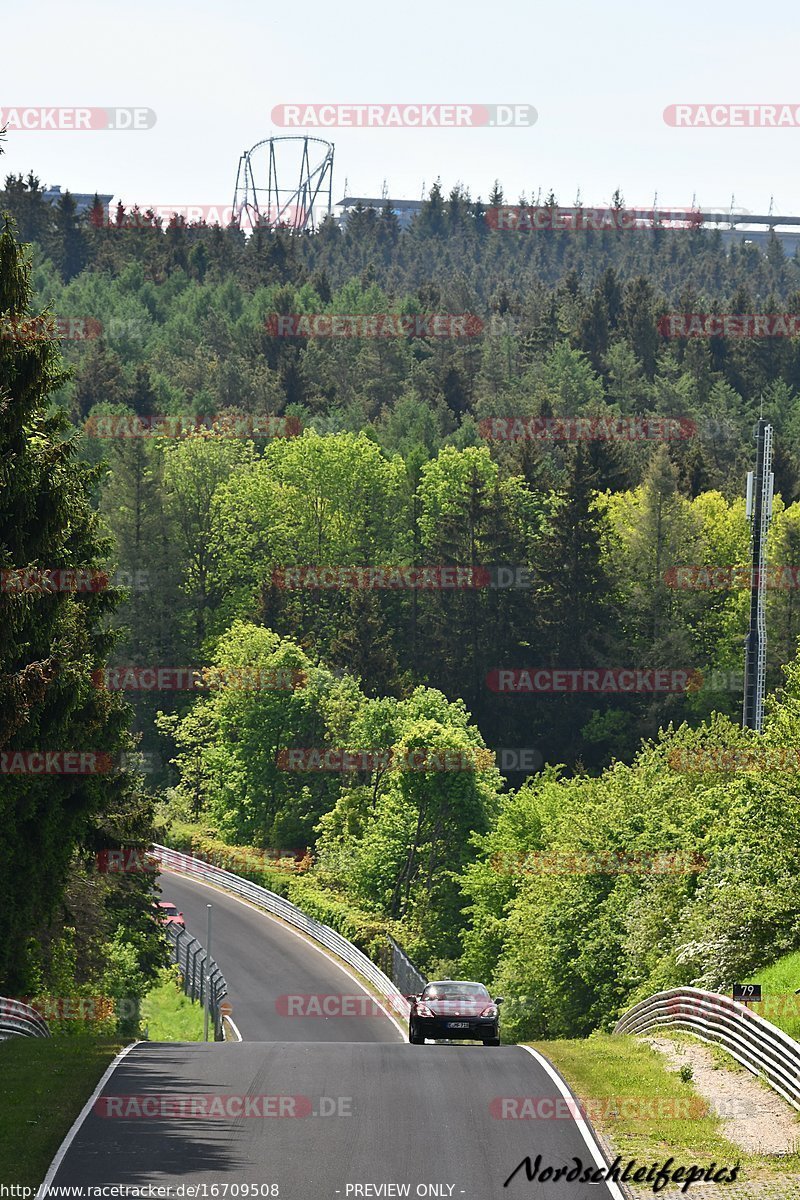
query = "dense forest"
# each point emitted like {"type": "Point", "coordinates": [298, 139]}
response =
{"type": "Point", "coordinates": [214, 467]}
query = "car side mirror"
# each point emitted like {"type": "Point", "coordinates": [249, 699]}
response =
{"type": "Point", "coordinates": [412, 997]}
{"type": "Point", "coordinates": [498, 1000]}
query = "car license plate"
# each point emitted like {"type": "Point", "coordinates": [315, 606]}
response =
{"type": "Point", "coordinates": [458, 1024]}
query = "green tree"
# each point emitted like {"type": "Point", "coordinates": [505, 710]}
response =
{"type": "Point", "coordinates": [52, 641]}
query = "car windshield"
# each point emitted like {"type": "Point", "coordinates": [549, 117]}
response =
{"type": "Point", "coordinates": [455, 991]}
{"type": "Point", "coordinates": [169, 910]}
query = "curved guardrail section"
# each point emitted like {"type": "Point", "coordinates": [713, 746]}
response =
{"type": "Point", "coordinates": [20, 1020]}
{"type": "Point", "coordinates": [757, 1044]}
{"type": "Point", "coordinates": [280, 907]}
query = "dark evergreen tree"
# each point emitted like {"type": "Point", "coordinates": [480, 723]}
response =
{"type": "Point", "coordinates": [54, 638]}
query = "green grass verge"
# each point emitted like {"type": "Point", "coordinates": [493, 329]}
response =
{"type": "Point", "coordinates": [170, 1016]}
{"type": "Point", "coordinates": [778, 985]}
{"type": "Point", "coordinates": [45, 1084]}
{"type": "Point", "coordinates": [644, 1109]}
{"type": "Point", "coordinates": [782, 976]}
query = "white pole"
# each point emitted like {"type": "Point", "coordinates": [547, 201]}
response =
{"type": "Point", "coordinates": [208, 974]}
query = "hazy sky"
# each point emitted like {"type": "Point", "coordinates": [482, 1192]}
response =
{"type": "Point", "coordinates": [598, 74]}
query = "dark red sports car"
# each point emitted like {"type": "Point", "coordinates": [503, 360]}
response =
{"type": "Point", "coordinates": [454, 1008]}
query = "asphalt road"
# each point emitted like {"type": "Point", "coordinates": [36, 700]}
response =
{"type": "Point", "coordinates": [276, 979]}
{"type": "Point", "coordinates": [319, 1107]}
{"type": "Point", "coordinates": [417, 1117]}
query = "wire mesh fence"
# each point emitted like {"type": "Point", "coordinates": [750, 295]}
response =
{"type": "Point", "coordinates": [196, 969]}
{"type": "Point", "coordinates": [402, 971]}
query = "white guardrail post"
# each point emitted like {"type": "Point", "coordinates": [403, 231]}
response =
{"type": "Point", "coordinates": [757, 1044]}
{"type": "Point", "coordinates": [280, 907]}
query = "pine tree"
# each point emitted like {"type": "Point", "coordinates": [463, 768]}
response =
{"type": "Point", "coordinates": [574, 592]}
{"type": "Point", "coordinates": [69, 241]}
{"type": "Point", "coordinates": [51, 641]}
{"type": "Point", "coordinates": [99, 379]}
{"type": "Point", "coordinates": [496, 194]}
{"type": "Point", "coordinates": [640, 325]}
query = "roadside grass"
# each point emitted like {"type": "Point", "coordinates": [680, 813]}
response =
{"type": "Point", "coordinates": [168, 1015]}
{"type": "Point", "coordinates": [778, 985]}
{"type": "Point", "coordinates": [45, 1084]}
{"type": "Point", "coordinates": [636, 1101]}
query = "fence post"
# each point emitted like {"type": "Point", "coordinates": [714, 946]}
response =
{"type": "Point", "coordinates": [207, 973]}
{"type": "Point", "coordinates": [176, 951]}
{"type": "Point", "coordinates": [196, 948]}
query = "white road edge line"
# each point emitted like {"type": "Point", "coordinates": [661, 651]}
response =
{"type": "Point", "coordinates": [285, 925]}
{"type": "Point", "coordinates": [586, 1132]}
{"type": "Point", "coordinates": [233, 1026]}
{"type": "Point", "coordinates": [81, 1117]}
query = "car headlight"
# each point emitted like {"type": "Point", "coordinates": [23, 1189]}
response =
{"type": "Point", "coordinates": [423, 1011]}
{"type": "Point", "coordinates": [490, 1011]}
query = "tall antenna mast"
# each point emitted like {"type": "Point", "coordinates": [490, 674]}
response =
{"type": "Point", "coordinates": [759, 512]}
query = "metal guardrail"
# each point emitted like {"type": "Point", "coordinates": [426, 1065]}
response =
{"type": "Point", "coordinates": [408, 978]}
{"type": "Point", "coordinates": [757, 1044]}
{"type": "Point", "coordinates": [191, 957]}
{"type": "Point", "coordinates": [280, 907]}
{"type": "Point", "coordinates": [20, 1020]}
